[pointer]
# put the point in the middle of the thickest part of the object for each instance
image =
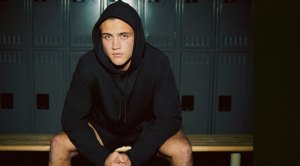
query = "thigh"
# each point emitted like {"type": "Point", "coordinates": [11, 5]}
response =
{"type": "Point", "coordinates": [67, 143]}
{"type": "Point", "coordinates": [174, 143]}
{"type": "Point", "coordinates": [63, 144]}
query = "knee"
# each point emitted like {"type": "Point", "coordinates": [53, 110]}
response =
{"type": "Point", "coordinates": [61, 150]}
{"type": "Point", "coordinates": [184, 154]}
{"type": "Point", "coordinates": [58, 141]}
{"type": "Point", "coordinates": [184, 149]}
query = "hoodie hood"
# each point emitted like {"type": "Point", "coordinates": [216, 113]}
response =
{"type": "Point", "coordinates": [125, 12]}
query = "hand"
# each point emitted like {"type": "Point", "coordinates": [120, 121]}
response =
{"type": "Point", "coordinates": [117, 159]}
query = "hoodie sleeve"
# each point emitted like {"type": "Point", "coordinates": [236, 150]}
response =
{"type": "Point", "coordinates": [74, 119]}
{"type": "Point", "coordinates": [168, 118]}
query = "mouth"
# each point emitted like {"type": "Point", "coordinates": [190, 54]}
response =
{"type": "Point", "coordinates": [117, 55]}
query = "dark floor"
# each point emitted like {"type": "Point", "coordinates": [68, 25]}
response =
{"type": "Point", "coordinates": [41, 159]}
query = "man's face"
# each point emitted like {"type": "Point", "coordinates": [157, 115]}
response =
{"type": "Point", "coordinates": [117, 39]}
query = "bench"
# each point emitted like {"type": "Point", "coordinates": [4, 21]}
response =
{"type": "Point", "coordinates": [235, 144]}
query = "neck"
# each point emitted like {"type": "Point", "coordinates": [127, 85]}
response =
{"type": "Point", "coordinates": [126, 67]}
{"type": "Point", "coordinates": [123, 67]}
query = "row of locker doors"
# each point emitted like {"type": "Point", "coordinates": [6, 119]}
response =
{"type": "Point", "coordinates": [34, 99]}
{"type": "Point", "coordinates": [186, 24]}
{"type": "Point", "coordinates": [210, 56]}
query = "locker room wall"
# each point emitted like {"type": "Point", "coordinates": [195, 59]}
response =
{"type": "Point", "coordinates": [208, 43]}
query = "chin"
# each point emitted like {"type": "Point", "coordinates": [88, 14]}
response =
{"type": "Point", "coordinates": [119, 63]}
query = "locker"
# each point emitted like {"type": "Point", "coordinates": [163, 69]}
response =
{"type": "Point", "coordinates": [233, 81]}
{"type": "Point", "coordinates": [195, 80]}
{"type": "Point", "coordinates": [234, 24]}
{"type": "Point", "coordinates": [47, 29]}
{"type": "Point", "coordinates": [13, 24]}
{"type": "Point", "coordinates": [197, 24]}
{"type": "Point", "coordinates": [160, 23]}
{"type": "Point", "coordinates": [82, 17]}
{"type": "Point", "coordinates": [133, 3]}
{"type": "Point", "coordinates": [13, 92]}
{"type": "Point", "coordinates": [208, 43]}
{"type": "Point", "coordinates": [48, 90]}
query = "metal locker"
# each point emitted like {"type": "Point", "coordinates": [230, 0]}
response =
{"type": "Point", "coordinates": [82, 16]}
{"type": "Point", "coordinates": [197, 24]}
{"type": "Point", "coordinates": [160, 23]}
{"type": "Point", "coordinates": [48, 90]}
{"type": "Point", "coordinates": [233, 84]}
{"type": "Point", "coordinates": [195, 82]}
{"type": "Point", "coordinates": [234, 25]}
{"type": "Point", "coordinates": [232, 98]}
{"type": "Point", "coordinates": [13, 92]}
{"type": "Point", "coordinates": [13, 23]}
{"type": "Point", "coordinates": [133, 3]}
{"type": "Point", "coordinates": [47, 23]}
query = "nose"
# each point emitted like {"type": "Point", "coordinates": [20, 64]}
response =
{"type": "Point", "coordinates": [116, 43]}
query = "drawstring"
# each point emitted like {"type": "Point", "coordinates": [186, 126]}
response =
{"type": "Point", "coordinates": [123, 102]}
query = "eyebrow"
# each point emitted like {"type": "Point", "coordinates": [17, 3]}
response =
{"type": "Point", "coordinates": [106, 34]}
{"type": "Point", "coordinates": [122, 33]}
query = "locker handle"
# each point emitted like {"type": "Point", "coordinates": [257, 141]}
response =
{"type": "Point", "coordinates": [7, 100]}
{"type": "Point", "coordinates": [78, 0]}
{"type": "Point", "coordinates": [191, 1]}
{"type": "Point", "coordinates": [153, 1]}
{"type": "Point", "coordinates": [187, 102]}
{"type": "Point", "coordinates": [229, 1]}
{"type": "Point", "coordinates": [225, 103]}
{"type": "Point", "coordinates": [40, 0]}
{"type": "Point", "coordinates": [42, 101]}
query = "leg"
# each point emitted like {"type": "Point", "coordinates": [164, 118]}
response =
{"type": "Point", "coordinates": [178, 150]}
{"type": "Point", "coordinates": [62, 149]}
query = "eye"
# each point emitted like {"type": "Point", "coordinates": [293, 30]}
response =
{"type": "Point", "coordinates": [107, 37]}
{"type": "Point", "coordinates": [124, 36]}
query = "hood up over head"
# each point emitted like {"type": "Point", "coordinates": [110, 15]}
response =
{"type": "Point", "coordinates": [125, 12]}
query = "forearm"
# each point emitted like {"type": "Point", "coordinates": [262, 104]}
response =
{"type": "Point", "coordinates": [152, 137]}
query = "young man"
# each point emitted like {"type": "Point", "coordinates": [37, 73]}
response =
{"type": "Point", "coordinates": [123, 93]}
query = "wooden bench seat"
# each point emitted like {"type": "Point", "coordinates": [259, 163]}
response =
{"type": "Point", "coordinates": [25, 142]}
{"type": "Point", "coordinates": [200, 143]}
{"type": "Point", "coordinates": [235, 144]}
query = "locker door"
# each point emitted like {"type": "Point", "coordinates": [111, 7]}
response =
{"type": "Point", "coordinates": [13, 23]}
{"type": "Point", "coordinates": [233, 69]}
{"type": "Point", "coordinates": [83, 15]}
{"type": "Point", "coordinates": [13, 92]}
{"type": "Point", "coordinates": [195, 88]}
{"type": "Point", "coordinates": [197, 30]}
{"type": "Point", "coordinates": [47, 23]}
{"type": "Point", "coordinates": [133, 3]}
{"type": "Point", "coordinates": [232, 92]}
{"type": "Point", "coordinates": [160, 23]}
{"type": "Point", "coordinates": [48, 90]}
{"type": "Point", "coordinates": [235, 23]}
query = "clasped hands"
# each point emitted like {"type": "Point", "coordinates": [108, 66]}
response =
{"type": "Point", "coordinates": [117, 159]}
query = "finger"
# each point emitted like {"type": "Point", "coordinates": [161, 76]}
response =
{"type": "Point", "coordinates": [126, 159]}
{"type": "Point", "coordinates": [117, 157]}
{"type": "Point", "coordinates": [117, 160]}
{"type": "Point", "coordinates": [123, 158]}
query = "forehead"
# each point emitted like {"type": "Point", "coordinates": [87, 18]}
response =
{"type": "Point", "coordinates": [114, 24]}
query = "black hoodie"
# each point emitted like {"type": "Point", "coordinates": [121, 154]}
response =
{"type": "Point", "coordinates": [142, 100]}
